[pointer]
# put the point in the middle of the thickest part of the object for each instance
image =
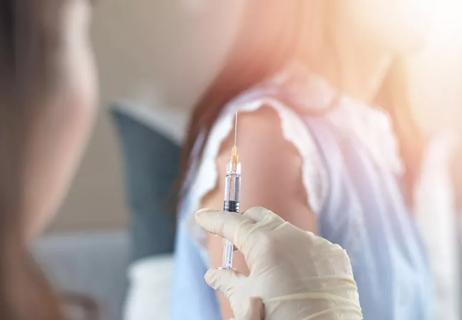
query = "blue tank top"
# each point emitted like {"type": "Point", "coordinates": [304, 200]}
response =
{"type": "Point", "coordinates": [364, 211]}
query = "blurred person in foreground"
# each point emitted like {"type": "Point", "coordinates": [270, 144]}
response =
{"type": "Point", "coordinates": [48, 96]}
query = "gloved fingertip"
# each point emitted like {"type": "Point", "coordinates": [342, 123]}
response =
{"type": "Point", "coordinates": [201, 212]}
{"type": "Point", "coordinates": [204, 210]}
{"type": "Point", "coordinates": [210, 277]}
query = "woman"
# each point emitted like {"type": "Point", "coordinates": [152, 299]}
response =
{"type": "Point", "coordinates": [304, 76]}
{"type": "Point", "coordinates": [47, 104]}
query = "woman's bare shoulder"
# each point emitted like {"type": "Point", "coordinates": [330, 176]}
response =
{"type": "Point", "coordinates": [271, 166]}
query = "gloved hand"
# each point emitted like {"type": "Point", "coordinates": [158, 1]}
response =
{"type": "Point", "coordinates": [297, 274]}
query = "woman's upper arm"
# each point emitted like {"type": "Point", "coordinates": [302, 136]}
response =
{"type": "Point", "coordinates": [271, 177]}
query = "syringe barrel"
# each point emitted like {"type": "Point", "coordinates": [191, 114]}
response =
{"type": "Point", "coordinates": [232, 187]}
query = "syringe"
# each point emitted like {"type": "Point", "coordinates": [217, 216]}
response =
{"type": "Point", "coordinates": [232, 196]}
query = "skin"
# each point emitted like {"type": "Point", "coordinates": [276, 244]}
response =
{"type": "Point", "coordinates": [366, 42]}
{"type": "Point", "coordinates": [60, 132]}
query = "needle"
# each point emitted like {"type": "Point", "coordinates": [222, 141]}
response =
{"type": "Point", "coordinates": [235, 129]}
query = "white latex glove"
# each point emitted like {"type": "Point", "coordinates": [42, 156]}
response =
{"type": "Point", "coordinates": [297, 274]}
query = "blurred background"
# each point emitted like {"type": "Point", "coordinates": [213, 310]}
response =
{"type": "Point", "coordinates": [154, 59]}
{"type": "Point", "coordinates": [153, 54]}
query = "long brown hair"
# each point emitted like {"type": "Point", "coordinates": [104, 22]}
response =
{"type": "Point", "coordinates": [29, 37]}
{"type": "Point", "coordinates": [268, 39]}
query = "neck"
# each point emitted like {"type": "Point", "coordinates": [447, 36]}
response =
{"type": "Point", "coordinates": [354, 67]}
